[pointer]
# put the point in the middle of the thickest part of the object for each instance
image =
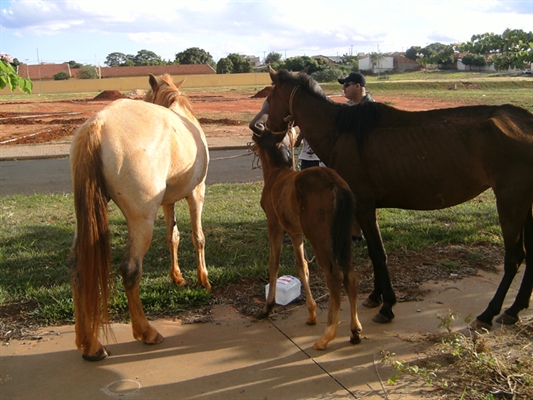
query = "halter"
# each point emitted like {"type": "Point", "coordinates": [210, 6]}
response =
{"type": "Point", "coordinates": [290, 126]}
{"type": "Point", "coordinates": [289, 118]}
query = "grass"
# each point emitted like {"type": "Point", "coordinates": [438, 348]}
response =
{"type": "Point", "coordinates": [36, 235]}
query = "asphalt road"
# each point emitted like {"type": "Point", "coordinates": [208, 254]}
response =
{"type": "Point", "coordinates": [53, 175]}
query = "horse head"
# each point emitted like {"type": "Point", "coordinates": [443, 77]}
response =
{"type": "Point", "coordinates": [166, 93]}
{"type": "Point", "coordinates": [274, 146]}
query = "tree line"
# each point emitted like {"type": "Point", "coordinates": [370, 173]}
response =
{"type": "Point", "coordinates": [512, 49]}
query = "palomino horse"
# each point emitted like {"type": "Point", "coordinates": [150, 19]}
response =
{"type": "Point", "coordinates": [316, 203]}
{"type": "Point", "coordinates": [422, 161]}
{"type": "Point", "coordinates": [141, 156]}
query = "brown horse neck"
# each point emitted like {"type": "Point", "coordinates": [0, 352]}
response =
{"type": "Point", "coordinates": [316, 119]}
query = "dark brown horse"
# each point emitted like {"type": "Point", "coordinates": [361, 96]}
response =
{"type": "Point", "coordinates": [422, 161]}
{"type": "Point", "coordinates": [316, 203]}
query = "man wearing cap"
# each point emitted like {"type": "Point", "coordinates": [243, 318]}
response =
{"type": "Point", "coordinates": [354, 87]}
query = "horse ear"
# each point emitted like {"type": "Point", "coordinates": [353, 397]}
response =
{"type": "Point", "coordinates": [178, 85]}
{"type": "Point", "coordinates": [152, 81]}
{"type": "Point", "coordinates": [273, 74]}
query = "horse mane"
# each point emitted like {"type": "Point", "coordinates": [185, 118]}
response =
{"type": "Point", "coordinates": [358, 119]}
{"type": "Point", "coordinates": [167, 94]}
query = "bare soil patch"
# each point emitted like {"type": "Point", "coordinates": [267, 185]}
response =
{"type": "Point", "coordinates": [30, 122]}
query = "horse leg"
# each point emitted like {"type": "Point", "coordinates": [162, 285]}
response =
{"type": "Point", "coordinates": [140, 235]}
{"type": "Point", "coordinates": [196, 204]}
{"type": "Point", "coordinates": [350, 285]}
{"type": "Point", "coordinates": [510, 316]}
{"type": "Point", "coordinates": [303, 272]}
{"type": "Point", "coordinates": [382, 283]}
{"type": "Point", "coordinates": [514, 234]}
{"type": "Point", "coordinates": [275, 235]}
{"type": "Point", "coordinates": [173, 241]}
{"type": "Point", "coordinates": [334, 279]}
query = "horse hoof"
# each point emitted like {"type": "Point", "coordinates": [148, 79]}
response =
{"type": "Point", "coordinates": [98, 356]}
{"type": "Point", "coordinates": [477, 325]}
{"type": "Point", "coordinates": [381, 319]}
{"type": "Point", "coordinates": [371, 303]}
{"type": "Point", "coordinates": [320, 346]}
{"type": "Point", "coordinates": [506, 319]}
{"type": "Point", "coordinates": [356, 339]}
{"type": "Point", "coordinates": [158, 339]}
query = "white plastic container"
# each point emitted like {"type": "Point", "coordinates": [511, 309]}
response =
{"type": "Point", "coordinates": [288, 288]}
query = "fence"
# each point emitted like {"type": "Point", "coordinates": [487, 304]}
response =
{"type": "Point", "coordinates": [125, 84]}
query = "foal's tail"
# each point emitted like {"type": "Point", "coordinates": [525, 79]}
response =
{"type": "Point", "coordinates": [341, 227]}
{"type": "Point", "coordinates": [91, 249]}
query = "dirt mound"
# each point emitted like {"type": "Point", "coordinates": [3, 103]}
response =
{"type": "Point", "coordinates": [110, 95]}
{"type": "Point", "coordinates": [263, 93]}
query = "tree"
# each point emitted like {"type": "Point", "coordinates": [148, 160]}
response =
{"type": "Point", "coordinates": [440, 54]}
{"type": "Point", "coordinates": [376, 59]}
{"type": "Point", "coordinates": [512, 49]}
{"type": "Point", "coordinates": [88, 72]}
{"type": "Point", "coordinates": [8, 76]}
{"type": "Point", "coordinates": [146, 57]}
{"type": "Point", "coordinates": [116, 59]}
{"type": "Point", "coordinates": [273, 58]}
{"type": "Point", "coordinates": [239, 64]}
{"type": "Point", "coordinates": [195, 55]}
{"type": "Point", "coordinates": [74, 64]}
{"type": "Point", "coordinates": [474, 60]}
{"type": "Point", "coordinates": [224, 66]}
{"type": "Point", "coordinates": [61, 76]}
{"type": "Point", "coordinates": [301, 63]}
{"type": "Point", "coordinates": [413, 52]}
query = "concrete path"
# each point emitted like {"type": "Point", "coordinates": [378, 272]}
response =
{"type": "Point", "coordinates": [234, 357]}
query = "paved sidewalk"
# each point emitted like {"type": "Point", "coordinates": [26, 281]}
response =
{"type": "Point", "coordinates": [234, 357]}
{"type": "Point", "coordinates": [60, 150]}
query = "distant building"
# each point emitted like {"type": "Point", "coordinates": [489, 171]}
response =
{"type": "Point", "coordinates": [395, 62]}
{"type": "Point", "coordinates": [256, 62]}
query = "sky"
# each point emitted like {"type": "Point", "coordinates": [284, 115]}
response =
{"type": "Point", "coordinates": [87, 31]}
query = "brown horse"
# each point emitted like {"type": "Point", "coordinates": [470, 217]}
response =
{"type": "Point", "coordinates": [316, 203]}
{"type": "Point", "coordinates": [141, 156]}
{"type": "Point", "coordinates": [422, 161]}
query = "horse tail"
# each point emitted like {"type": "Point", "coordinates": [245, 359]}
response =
{"type": "Point", "coordinates": [91, 251]}
{"type": "Point", "coordinates": [341, 227]}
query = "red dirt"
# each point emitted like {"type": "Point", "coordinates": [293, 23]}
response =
{"type": "Point", "coordinates": [26, 122]}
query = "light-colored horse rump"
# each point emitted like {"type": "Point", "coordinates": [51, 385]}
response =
{"type": "Point", "coordinates": [141, 156]}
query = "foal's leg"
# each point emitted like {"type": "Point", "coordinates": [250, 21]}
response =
{"type": "Point", "coordinates": [350, 285]}
{"type": "Point", "coordinates": [196, 204]}
{"type": "Point", "coordinates": [334, 279]}
{"type": "Point", "coordinates": [140, 234]}
{"type": "Point", "coordinates": [173, 241]}
{"type": "Point", "coordinates": [275, 236]}
{"type": "Point", "coordinates": [303, 272]}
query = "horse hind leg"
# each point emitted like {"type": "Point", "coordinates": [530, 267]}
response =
{"type": "Point", "coordinates": [510, 316]}
{"type": "Point", "coordinates": [173, 241]}
{"type": "Point", "coordinates": [350, 285]}
{"type": "Point", "coordinates": [196, 203]}
{"type": "Point", "coordinates": [334, 279]}
{"type": "Point", "coordinates": [275, 237]}
{"type": "Point", "coordinates": [303, 272]}
{"type": "Point", "coordinates": [140, 235]}
{"type": "Point", "coordinates": [514, 235]}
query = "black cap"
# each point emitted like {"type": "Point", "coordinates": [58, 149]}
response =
{"type": "Point", "coordinates": [354, 77]}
